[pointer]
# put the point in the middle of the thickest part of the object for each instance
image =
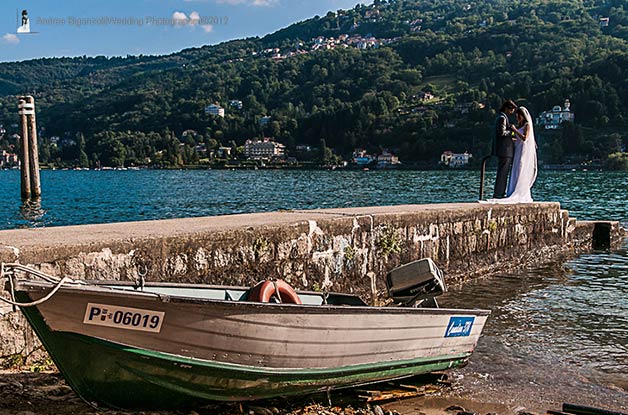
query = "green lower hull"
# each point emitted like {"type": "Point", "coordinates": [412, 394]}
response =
{"type": "Point", "coordinates": [105, 373]}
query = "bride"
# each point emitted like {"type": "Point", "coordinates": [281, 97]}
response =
{"type": "Point", "coordinates": [524, 165]}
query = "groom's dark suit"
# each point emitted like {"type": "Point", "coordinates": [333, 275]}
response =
{"type": "Point", "coordinates": [504, 149]}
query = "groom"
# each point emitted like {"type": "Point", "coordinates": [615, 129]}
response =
{"type": "Point", "coordinates": [503, 148]}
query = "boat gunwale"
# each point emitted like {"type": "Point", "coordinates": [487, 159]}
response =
{"type": "Point", "coordinates": [105, 288]}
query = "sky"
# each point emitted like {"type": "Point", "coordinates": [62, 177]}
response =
{"type": "Point", "coordinates": [149, 27]}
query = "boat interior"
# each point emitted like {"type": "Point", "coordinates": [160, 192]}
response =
{"type": "Point", "coordinates": [209, 292]}
{"type": "Point", "coordinates": [415, 284]}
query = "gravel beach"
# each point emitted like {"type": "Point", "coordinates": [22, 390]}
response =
{"type": "Point", "coordinates": [467, 392]}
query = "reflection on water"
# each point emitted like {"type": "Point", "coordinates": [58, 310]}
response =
{"type": "Point", "coordinates": [32, 215]}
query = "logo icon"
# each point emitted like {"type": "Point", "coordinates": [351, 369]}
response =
{"type": "Point", "coordinates": [25, 27]}
{"type": "Point", "coordinates": [23, 24]}
{"type": "Point", "coordinates": [459, 326]}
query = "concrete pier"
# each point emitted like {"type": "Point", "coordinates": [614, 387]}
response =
{"type": "Point", "coordinates": [348, 250]}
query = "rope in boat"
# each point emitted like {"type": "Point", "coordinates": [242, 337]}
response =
{"type": "Point", "coordinates": [9, 272]}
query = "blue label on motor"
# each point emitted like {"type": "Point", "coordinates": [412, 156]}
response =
{"type": "Point", "coordinates": [459, 326]}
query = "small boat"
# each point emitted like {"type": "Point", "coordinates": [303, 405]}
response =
{"type": "Point", "coordinates": [164, 345]}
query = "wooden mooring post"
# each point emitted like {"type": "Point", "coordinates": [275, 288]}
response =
{"type": "Point", "coordinates": [31, 185]}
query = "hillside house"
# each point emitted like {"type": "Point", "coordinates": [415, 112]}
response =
{"type": "Point", "coordinates": [362, 158]}
{"type": "Point", "coordinates": [265, 149]}
{"type": "Point", "coordinates": [552, 119]}
{"type": "Point", "coordinates": [215, 109]}
{"type": "Point", "coordinates": [235, 103]}
{"type": "Point", "coordinates": [455, 160]}
{"type": "Point", "coordinates": [387, 159]}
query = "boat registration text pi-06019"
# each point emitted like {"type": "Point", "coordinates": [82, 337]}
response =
{"type": "Point", "coordinates": [123, 317]}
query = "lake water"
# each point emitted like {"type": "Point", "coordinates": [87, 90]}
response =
{"type": "Point", "coordinates": [561, 329]}
{"type": "Point", "coordinates": [557, 333]}
{"type": "Point", "coordinates": [79, 197]}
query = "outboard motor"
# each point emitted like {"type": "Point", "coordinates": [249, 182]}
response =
{"type": "Point", "coordinates": [416, 284]}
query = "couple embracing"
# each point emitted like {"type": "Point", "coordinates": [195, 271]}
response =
{"type": "Point", "coordinates": [515, 148]}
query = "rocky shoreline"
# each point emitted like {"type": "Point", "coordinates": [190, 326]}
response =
{"type": "Point", "coordinates": [45, 393]}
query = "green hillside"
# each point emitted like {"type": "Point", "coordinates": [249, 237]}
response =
{"type": "Point", "coordinates": [361, 89]}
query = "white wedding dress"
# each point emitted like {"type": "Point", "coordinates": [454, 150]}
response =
{"type": "Point", "coordinates": [524, 168]}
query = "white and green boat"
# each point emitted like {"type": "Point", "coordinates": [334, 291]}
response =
{"type": "Point", "coordinates": [164, 345]}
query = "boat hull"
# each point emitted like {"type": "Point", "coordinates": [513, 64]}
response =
{"type": "Point", "coordinates": [231, 351]}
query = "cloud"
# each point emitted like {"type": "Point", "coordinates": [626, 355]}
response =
{"type": "Point", "coordinates": [194, 18]}
{"type": "Point", "coordinates": [11, 39]}
{"type": "Point", "coordinates": [179, 18]}
{"type": "Point", "coordinates": [256, 3]}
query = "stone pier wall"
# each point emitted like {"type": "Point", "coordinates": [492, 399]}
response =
{"type": "Point", "coordinates": [348, 250]}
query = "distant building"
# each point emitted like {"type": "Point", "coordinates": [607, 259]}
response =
{"type": "Point", "coordinates": [265, 149]}
{"type": "Point", "coordinates": [387, 159]}
{"type": "Point", "coordinates": [8, 159]}
{"type": "Point", "coordinates": [235, 103]}
{"type": "Point", "coordinates": [455, 160]}
{"type": "Point", "coordinates": [223, 152]}
{"type": "Point", "coordinates": [604, 21]}
{"type": "Point", "coordinates": [264, 121]}
{"type": "Point", "coordinates": [271, 51]}
{"type": "Point", "coordinates": [362, 158]}
{"type": "Point", "coordinates": [425, 96]}
{"type": "Point", "coordinates": [552, 119]}
{"type": "Point", "coordinates": [304, 148]}
{"type": "Point", "coordinates": [201, 149]}
{"type": "Point", "coordinates": [215, 109]}
{"type": "Point", "coordinates": [465, 107]}
{"type": "Point", "coordinates": [367, 43]}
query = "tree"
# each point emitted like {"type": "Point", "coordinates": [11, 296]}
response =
{"type": "Point", "coordinates": [113, 152]}
{"type": "Point", "coordinates": [83, 160]}
{"type": "Point", "coordinates": [323, 152]}
{"type": "Point", "coordinates": [617, 161]}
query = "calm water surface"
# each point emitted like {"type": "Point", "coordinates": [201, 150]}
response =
{"type": "Point", "coordinates": [568, 322]}
{"type": "Point", "coordinates": [79, 197]}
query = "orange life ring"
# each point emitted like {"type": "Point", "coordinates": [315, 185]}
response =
{"type": "Point", "coordinates": [263, 291]}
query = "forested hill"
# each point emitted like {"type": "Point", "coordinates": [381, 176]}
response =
{"type": "Point", "coordinates": [414, 77]}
